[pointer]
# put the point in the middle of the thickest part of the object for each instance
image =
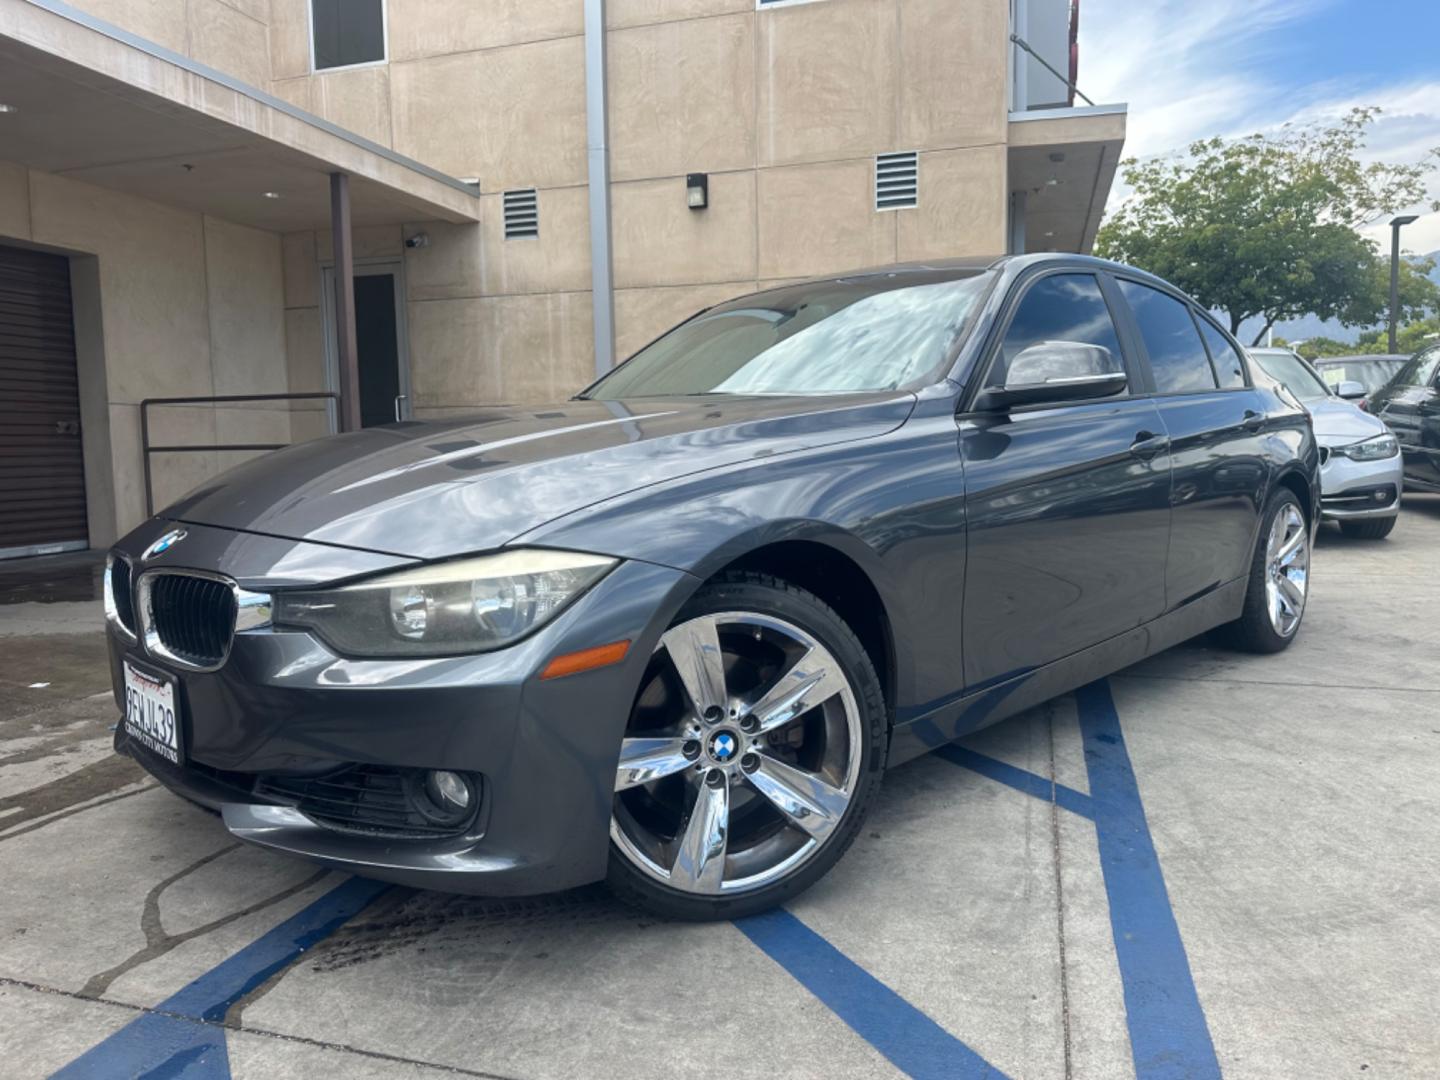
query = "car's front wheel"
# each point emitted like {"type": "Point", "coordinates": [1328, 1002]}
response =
{"type": "Point", "coordinates": [754, 748]}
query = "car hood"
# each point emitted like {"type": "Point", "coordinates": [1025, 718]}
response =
{"type": "Point", "coordinates": [439, 488]}
{"type": "Point", "coordinates": [1337, 422]}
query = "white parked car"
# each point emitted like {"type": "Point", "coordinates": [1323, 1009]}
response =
{"type": "Point", "coordinates": [1361, 471]}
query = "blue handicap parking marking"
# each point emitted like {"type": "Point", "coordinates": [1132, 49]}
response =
{"type": "Point", "coordinates": [182, 1036]}
{"type": "Point", "coordinates": [1077, 802]}
{"type": "Point", "coordinates": [1169, 1038]}
{"type": "Point", "coordinates": [913, 1042]}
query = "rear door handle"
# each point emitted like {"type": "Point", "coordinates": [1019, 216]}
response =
{"type": "Point", "coordinates": [1147, 445]}
{"type": "Point", "coordinates": [1253, 420]}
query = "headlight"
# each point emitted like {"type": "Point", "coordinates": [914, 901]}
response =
{"type": "Point", "coordinates": [445, 609]}
{"type": "Point", "coordinates": [1381, 446]}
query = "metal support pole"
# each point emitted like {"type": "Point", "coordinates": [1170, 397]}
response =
{"type": "Point", "coordinates": [597, 145]}
{"type": "Point", "coordinates": [1017, 223]}
{"type": "Point", "coordinates": [345, 302]}
{"type": "Point", "coordinates": [1019, 70]}
{"type": "Point", "coordinates": [1394, 280]}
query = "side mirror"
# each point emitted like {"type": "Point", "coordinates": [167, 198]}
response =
{"type": "Point", "coordinates": [1350, 390]}
{"type": "Point", "coordinates": [1056, 371]}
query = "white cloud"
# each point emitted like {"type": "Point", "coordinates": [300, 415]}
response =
{"type": "Point", "coordinates": [1190, 71]}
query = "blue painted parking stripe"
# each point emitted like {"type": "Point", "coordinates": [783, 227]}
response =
{"type": "Point", "coordinates": [1077, 802]}
{"type": "Point", "coordinates": [913, 1042]}
{"type": "Point", "coordinates": [181, 1037]}
{"type": "Point", "coordinates": [1169, 1037]}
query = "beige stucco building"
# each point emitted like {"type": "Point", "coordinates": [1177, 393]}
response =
{"type": "Point", "coordinates": [166, 215]}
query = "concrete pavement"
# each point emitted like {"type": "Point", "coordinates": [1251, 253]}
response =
{"type": "Point", "coordinates": [1236, 871]}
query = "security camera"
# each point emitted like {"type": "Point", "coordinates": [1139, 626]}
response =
{"type": "Point", "coordinates": [419, 240]}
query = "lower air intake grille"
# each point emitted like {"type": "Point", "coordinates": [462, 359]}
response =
{"type": "Point", "coordinates": [193, 617]}
{"type": "Point", "coordinates": [369, 799]}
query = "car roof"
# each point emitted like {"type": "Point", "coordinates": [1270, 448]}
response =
{"type": "Point", "coordinates": [965, 266]}
{"type": "Point", "coordinates": [1358, 356]}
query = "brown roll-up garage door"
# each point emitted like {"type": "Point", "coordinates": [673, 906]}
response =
{"type": "Point", "coordinates": [42, 472]}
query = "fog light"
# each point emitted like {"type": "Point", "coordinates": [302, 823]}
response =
{"type": "Point", "coordinates": [449, 791]}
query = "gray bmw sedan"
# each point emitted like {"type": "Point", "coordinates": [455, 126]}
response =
{"type": "Point", "coordinates": [672, 631]}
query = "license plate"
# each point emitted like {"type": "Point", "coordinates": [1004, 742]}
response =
{"type": "Point", "coordinates": [150, 715]}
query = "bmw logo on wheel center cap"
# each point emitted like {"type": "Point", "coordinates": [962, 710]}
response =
{"type": "Point", "coordinates": [723, 746]}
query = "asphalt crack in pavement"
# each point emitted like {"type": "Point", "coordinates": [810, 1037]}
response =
{"type": "Point", "coordinates": [158, 942]}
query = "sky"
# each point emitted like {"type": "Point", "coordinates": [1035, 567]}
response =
{"type": "Point", "coordinates": [1190, 69]}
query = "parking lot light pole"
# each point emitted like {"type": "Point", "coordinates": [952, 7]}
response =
{"type": "Point", "coordinates": [1396, 223]}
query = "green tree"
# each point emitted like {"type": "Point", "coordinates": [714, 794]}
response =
{"type": "Point", "coordinates": [1265, 225]}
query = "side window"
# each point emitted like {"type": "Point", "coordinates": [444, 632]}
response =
{"type": "Point", "coordinates": [1423, 368]}
{"type": "Point", "coordinates": [347, 32]}
{"type": "Point", "coordinates": [1229, 368]}
{"type": "Point", "coordinates": [1061, 307]}
{"type": "Point", "coordinates": [1177, 355]}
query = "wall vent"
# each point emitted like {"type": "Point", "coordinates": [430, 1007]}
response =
{"type": "Point", "coordinates": [522, 213]}
{"type": "Point", "coordinates": [897, 180]}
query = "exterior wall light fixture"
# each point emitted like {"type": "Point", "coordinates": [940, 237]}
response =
{"type": "Point", "coordinates": [697, 190]}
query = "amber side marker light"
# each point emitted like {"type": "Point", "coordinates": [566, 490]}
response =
{"type": "Point", "coordinates": [585, 660]}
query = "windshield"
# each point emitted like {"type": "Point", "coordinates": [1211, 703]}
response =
{"type": "Point", "coordinates": [1288, 369]}
{"type": "Point", "coordinates": [877, 332]}
{"type": "Point", "coordinates": [1371, 374]}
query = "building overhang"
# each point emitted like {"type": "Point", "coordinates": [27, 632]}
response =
{"type": "Point", "coordinates": [98, 104]}
{"type": "Point", "coordinates": [1064, 162]}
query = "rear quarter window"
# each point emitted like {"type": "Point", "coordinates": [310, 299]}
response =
{"type": "Point", "coordinates": [1229, 366]}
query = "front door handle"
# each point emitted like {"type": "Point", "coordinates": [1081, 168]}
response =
{"type": "Point", "coordinates": [1253, 420]}
{"type": "Point", "coordinates": [398, 399]}
{"type": "Point", "coordinates": [1147, 445]}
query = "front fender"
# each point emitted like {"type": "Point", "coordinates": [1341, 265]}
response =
{"type": "Point", "coordinates": [894, 506]}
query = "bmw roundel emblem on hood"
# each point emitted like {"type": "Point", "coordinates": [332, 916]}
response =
{"type": "Point", "coordinates": [164, 544]}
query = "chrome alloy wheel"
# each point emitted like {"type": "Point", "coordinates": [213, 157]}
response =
{"type": "Point", "coordinates": [1287, 570]}
{"type": "Point", "coordinates": [743, 751]}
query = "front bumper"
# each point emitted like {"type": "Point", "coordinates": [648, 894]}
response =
{"type": "Point", "coordinates": [284, 706]}
{"type": "Point", "coordinates": [1352, 490]}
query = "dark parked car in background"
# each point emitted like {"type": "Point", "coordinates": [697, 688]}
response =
{"type": "Point", "coordinates": [1410, 406]}
{"type": "Point", "coordinates": [671, 632]}
{"type": "Point", "coordinates": [1368, 372]}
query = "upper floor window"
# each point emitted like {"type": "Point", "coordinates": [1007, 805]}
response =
{"type": "Point", "coordinates": [1177, 356]}
{"type": "Point", "coordinates": [345, 33]}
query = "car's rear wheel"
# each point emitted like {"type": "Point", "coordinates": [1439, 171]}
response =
{"type": "Point", "coordinates": [752, 753]}
{"type": "Point", "coordinates": [1369, 528]}
{"type": "Point", "coordinates": [1279, 579]}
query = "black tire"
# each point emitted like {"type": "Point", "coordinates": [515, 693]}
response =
{"type": "Point", "coordinates": [1369, 528]}
{"type": "Point", "coordinates": [1253, 630]}
{"type": "Point", "coordinates": [766, 595]}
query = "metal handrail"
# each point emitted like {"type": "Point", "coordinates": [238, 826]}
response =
{"type": "Point", "coordinates": [146, 449]}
